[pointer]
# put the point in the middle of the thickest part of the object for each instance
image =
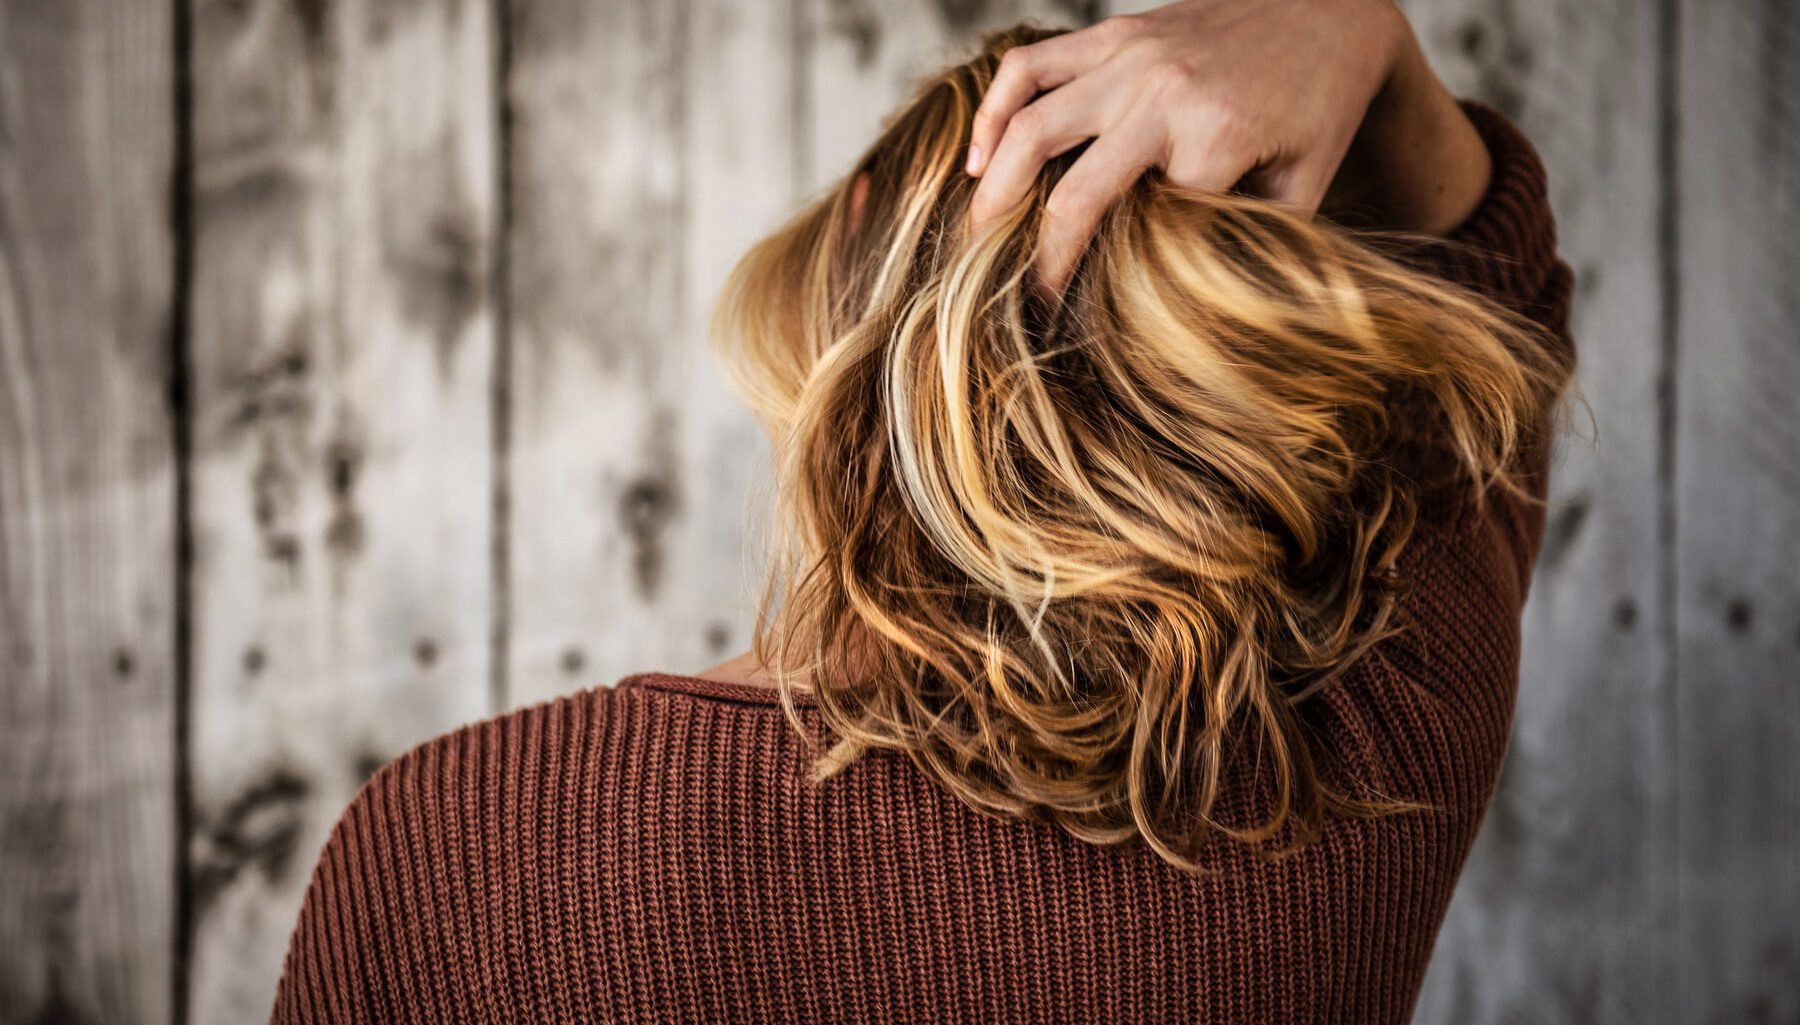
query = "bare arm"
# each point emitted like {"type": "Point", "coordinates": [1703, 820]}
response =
{"type": "Point", "coordinates": [1417, 163]}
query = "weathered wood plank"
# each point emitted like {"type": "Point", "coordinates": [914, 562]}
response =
{"type": "Point", "coordinates": [1737, 511]}
{"type": "Point", "coordinates": [343, 359]}
{"type": "Point", "coordinates": [598, 493]}
{"type": "Point", "coordinates": [651, 144]}
{"type": "Point", "coordinates": [1562, 914]}
{"type": "Point", "coordinates": [743, 108]}
{"type": "Point", "coordinates": [87, 513]}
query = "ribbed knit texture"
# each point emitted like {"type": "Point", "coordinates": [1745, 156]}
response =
{"type": "Point", "coordinates": [653, 853]}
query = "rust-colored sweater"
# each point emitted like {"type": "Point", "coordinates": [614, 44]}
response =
{"type": "Point", "coordinates": [653, 853]}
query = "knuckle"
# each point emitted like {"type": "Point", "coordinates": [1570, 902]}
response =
{"type": "Point", "coordinates": [1072, 204]}
{"type": "Point", "coordinates": [1119, 27]}
{"type": "Point", "coordinates": [1030, 124]}
{"type": "Point", "coordinates": [1016, 61]}
{"type": "Point", "coordinates": [1225, 128]}
{"type": "Point", "coordinates": [1168, 78]}
{"type": "Point", "coordinates": [980, 205]}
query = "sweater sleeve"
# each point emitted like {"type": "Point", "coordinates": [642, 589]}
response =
{"type": "Point", "coordinates": [329, 974]}
{"type": "Point", "coordinates": [1437, 698]}
{"type": "Point", "coordinates": [379, 929]}
{"type": "Point", "coordinates": [1507, 248]}
{"type": "Point", "coordinates": [1507, 252]}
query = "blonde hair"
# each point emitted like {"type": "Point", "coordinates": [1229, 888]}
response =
{"type": "Point", "coordinates": [1069, 558]}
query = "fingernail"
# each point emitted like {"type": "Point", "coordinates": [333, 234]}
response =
{"type": "Point", "coordinates": [974, 163]}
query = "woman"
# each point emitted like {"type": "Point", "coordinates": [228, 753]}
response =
{"type": "Point", "coordinates": [1143, 640]}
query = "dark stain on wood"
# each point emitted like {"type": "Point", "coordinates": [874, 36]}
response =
{"type": "Point", "coordinates": [1778, 1003]}
{"type": "Point", "coordinates": [57, 1008]}
{"type": "Point", "coordinates": [645, 508]}
{"type": "Point", "coordinates": [366, 765]}
{"type": "Point", "coordinates": [275, 390]}
{"type": "Point", "coordinates": [1506, 834]}
{"type": "Point", "coordinates": [1587, 281]}
{"type": "Point", "coordinates": [1470, 38]}
{"type": "Point", "coordinates": [858, 23]}
{"type": "Point", "coordinates": [574, 660]}
{"type": "Point", "coordinates": [253, 178]}
{"type": "Point", "coordinates": [1625, 614]}
{"type": "Point", "coordinates": [124, 663]}
{"type": "Point", "coordinates": [272, 400]}
{"type": "Point", "coordinates": [433, 243]}
{"type": "Point", "coordinates": [254, 660]}
{"type": "Point", "coordinates": [1502, 56]}
{"type": "Point", "coordinates": [425, 652]}
{"type": "Point", "coordinates": [313, 16]}
{"type": "Point", "coordinates": [1563, 527]}
{"type": "Point", "coordinates": [385, 17]}
{"type": "Point", "coordinates": [344, 534]}
{"type": "Point", "coordinates": [963, 16]}
{"type": "Point", "coordinates": [1777, 82]}
{"type": "Point", "coordinates": [36, 833]}
{"type": "Point", "coordinates": [260, 830]}
{"type": "Point", "coordinates": [650, 503]}
{"type": "Point", "coordinates": [718, 635]}
{"type": "Point", "coordinates": [273, 494]}
{"type": "Point", "coordinates": [1739, 614]}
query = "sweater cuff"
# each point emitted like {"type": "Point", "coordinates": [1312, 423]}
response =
{"type": "Point", "coordinates": [1506, 249]}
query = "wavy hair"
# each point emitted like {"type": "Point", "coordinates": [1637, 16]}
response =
{"type": "Point", "coordinates": [1071, 557]}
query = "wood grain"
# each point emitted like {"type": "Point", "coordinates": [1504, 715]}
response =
{"type": "Point", "coordinates": [744, 107]}
{"type": "Point", "coordinates": [343, 342]}
{"type": "Point", "coordinates": [1737, 511]}
{"type": "Point", "coordinates": [87, 513]}
{"type": "Point", "coordinates": [1561, 914]}
{"type": "Point", "coordinates": [598, 490]}
{"type": "Point", "coordinates": [651, 144]}
{"type": "Point", "coordinates": [388, 518]}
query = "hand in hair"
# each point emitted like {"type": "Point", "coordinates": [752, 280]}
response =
{"type": "Point", "coordinates": [1318, 103]}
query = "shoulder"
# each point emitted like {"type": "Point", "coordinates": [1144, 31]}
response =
{"type": "Point", "coordinates": [457, 858]}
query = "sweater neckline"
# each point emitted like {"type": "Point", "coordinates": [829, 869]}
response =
{"type": "Point", "coordinates": [746, 693]}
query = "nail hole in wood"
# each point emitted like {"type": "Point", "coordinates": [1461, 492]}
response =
{"type": "Point", "coordinates": [1625, 614]}
{"type": "Point", "coordinates": [717, 636]}
{"type": "Point", "coordinates": [1738, 615]}
{"type": "Point", "coordinates": [367, 764]}
{"type": "Point", "coordinates": [1470, 37]}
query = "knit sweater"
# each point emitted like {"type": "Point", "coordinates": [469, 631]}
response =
{"type": "Point", "coordinates": [652, 852]}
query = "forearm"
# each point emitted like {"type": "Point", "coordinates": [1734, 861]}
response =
{"type": "Point", "coordinates": [1417, 163]}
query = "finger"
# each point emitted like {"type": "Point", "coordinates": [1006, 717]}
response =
{"type": "Point", "coordinates": [1052, 125]}
{"type": "Point", "coordinates": [1109, 169]}
{"type": "Point", "coordinates": [1026, 71]}
{"type": "Point", "coordinates": [1302, 184]}
{"type": "Point", "coordinates": [1209, 161]}
{"type": "Point", "coordinates": [859, 198]}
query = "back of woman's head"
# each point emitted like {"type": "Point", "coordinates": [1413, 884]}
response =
{"type": "Point", "coordinates": [1073, 558]}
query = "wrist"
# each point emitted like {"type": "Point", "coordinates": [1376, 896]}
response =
{"type": "Point", "coordinates": [1417, 163]}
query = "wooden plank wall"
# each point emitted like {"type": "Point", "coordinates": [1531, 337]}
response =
{"type": "Point", "coordinates": [88, 497]}
{"type": "Point", "coordinates": [1562, 913]}
{"type": "Point", "coordinates": [1734, 407]}
{"type": "Point", "coordinates": [344, 208]}
{"type": "Point", "coordinates": [352, 386]}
